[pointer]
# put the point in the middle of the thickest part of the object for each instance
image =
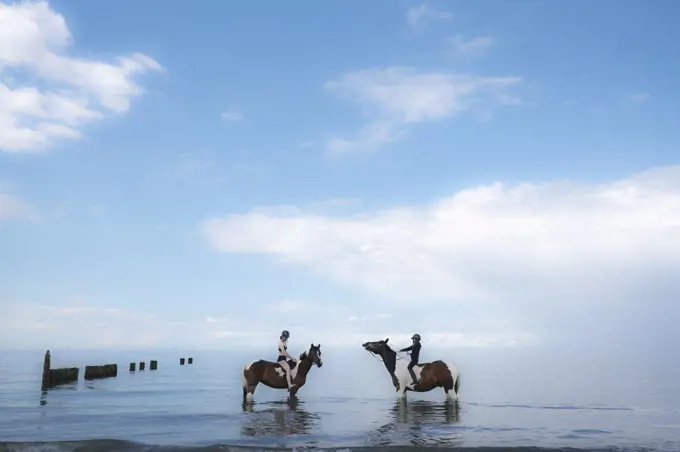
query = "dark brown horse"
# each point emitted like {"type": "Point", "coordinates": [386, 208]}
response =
{"type": "Point", "coordinates": [436, 374]}
{"type": "Point", "coordinates": [271, 374]}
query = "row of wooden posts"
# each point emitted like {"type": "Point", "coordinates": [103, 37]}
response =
{"type": "Point", "coordinates": [53, 377]}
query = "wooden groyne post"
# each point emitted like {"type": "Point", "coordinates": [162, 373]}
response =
{"type": "Point", "coordinates": [105, 371]}
{"type": "Point", "coordinates": [181, 361]}
{"type": "Point", "coordinates": [153, 365]}
{"type": "Point", "coordinates": [132, 367]}
{"type": "Point", "coordinates": [142, 365]}
{"type": "Point", "coordinates": [191, 360]}
{"type": "Point", "coordinates": [54, 377]}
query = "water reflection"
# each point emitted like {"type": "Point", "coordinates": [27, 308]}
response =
{"type": "Point", "coordinates": [421, 423]}
{"type": "Point", "coordinates": [419, 412]}
{"type": "Point", "coordinates": [45, 392]}
{"type": "Point", "coordinates": [278, 418]}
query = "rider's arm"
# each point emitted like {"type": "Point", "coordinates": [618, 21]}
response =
{"type": "Point", "coordinates": [407, 349]}
{"type": "Point", "coordinates": [283, 351]}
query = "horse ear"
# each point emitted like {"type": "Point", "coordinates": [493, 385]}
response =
{"type": "Point", "coordinates": [387, 339]}
{"type": "Point", "coordinates": [311, 345]}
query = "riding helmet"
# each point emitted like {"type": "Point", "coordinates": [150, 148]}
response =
{"type": "Point", "coordinates": [285, 334]}
{"type": "Point", "coordinates": [416, 337]}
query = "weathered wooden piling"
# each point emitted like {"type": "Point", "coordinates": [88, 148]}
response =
{"type": "Point", "coordinates": [181, 361]}
{"type": "Point", "coordinates": [153, 365]}
{"type": "Point", "coordinates": [63, 375]}
{"type": "Point", "coordinates": [54, 377]}
{"type": "Point", "coordinates": [105, 371]}
{"type": "Point", "coordinates": [191, 360]}
{"type": "Point", "coordinates": [142, 364]}
{"type": "Point", "coordinates": [132, 367]}
{"type": "Point", "coordinates": [46, 370]}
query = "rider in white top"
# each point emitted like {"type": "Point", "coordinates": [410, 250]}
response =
{"type": "Point", "coordinates": [284, 356]}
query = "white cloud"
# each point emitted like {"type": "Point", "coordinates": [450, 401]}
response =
{"type": "Point", "coordinates": [12, 208]}
{"type": "Point", "coordinates": [416, 15]}
{"type": "Point", "coordinates": [640, 97]}
{"type": "Point", "coordinates": [231, 115]}
{"type": "Point", "coordinates": [510, 259]}
{"type": "Point", "coordinates": [59, 93]}
{"type": "Point", "coordinates": [398, 96]}
{"type": "Point", "coordinates": [477, 46]}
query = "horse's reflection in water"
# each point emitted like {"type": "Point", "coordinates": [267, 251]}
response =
{"type": "Point", "coordinates": [417, 412]}
{"type": "Point", "coordinates": [278, 418]}
{"type": "Point", "coordinates": [421, 423]}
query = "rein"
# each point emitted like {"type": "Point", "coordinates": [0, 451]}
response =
{"type": "Point", "coordinates": [380, 359]}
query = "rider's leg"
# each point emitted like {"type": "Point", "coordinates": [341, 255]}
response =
{"type": "Point", "coordinates": [286, 369]}
{"type": "Point", "coordinates": [410, 370]}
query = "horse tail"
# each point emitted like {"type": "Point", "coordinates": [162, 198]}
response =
{"type": "Point", "coordinates": [244, 380]}
{"type": "Point", "coordinates": [456, 385]}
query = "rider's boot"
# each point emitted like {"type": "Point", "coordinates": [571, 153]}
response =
{"type": "Point", "coordinates": [413, 376]}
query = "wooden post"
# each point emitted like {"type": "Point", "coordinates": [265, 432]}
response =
{"type": "Point", "coordinates": [181, 361]}
{"type": "Point", "coordinates": [191, 360]}
{"type": "Point", "coordinates": [132, 367]}
{"type": "Point", "coordinates": [46, 371]}
{"type": "Point", "coordinates": [54, 377]}
{"type": "Point", "coordinates": [141, 365]}
{"type": "Point", "coordinates": [63, 375]}
{"type": "Point", "coordinates": [153, 365]}
{"type": "Point", "coordinates": [105, 371]}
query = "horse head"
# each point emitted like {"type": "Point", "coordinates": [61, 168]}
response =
{"type": "Point", "coordinates": [377, 347]}
{"type": "Point", "coordinates": [382, 349]}
{"type": "Point", "coordinates": [313, 354]}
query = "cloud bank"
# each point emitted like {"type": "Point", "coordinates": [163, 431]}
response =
{"type": "Point", "coordinates": [48, 95]}
{"type": "Point", "coordinates": [522, 259]}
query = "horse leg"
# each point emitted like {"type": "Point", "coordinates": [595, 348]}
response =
{"type": "Point", "coordinates": [249, 393]}
{"type": "Point", "coordinates": [449, 389]}
{"type": "Point", "coordinates": [401, 391]}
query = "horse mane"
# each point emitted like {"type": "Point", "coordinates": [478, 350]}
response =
{"type": "Point", "coordinates": [303, 355]}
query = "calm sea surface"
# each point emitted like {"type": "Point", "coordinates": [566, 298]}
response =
{"type": "Point", "coordinates": [520, 398]}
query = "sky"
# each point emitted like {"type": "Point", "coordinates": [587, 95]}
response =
{"type": "Point", "coordinates": [485, 174]}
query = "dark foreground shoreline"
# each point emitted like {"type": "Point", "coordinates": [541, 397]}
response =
{"type": "Point", "coordinates": [105, 445]}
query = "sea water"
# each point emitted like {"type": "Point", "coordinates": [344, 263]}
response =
{"type": "Point", "coordinates": [522, 397]}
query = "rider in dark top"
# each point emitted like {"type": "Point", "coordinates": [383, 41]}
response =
{"type": "Point", "coordinates": [415, 355]}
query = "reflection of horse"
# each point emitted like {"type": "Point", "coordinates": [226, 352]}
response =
{"type": "Point", "coordinates": [423, 411]}
{"type": "Point", "coordinates": [436, 374]}
{"type": "Point", "coordinates": [416, 422]}
{"type": "Point", "coordinates": [271, 374]}
{"type": "Point", "coordinates": [292, 420]}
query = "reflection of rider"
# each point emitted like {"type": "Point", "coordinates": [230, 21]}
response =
{"type": "Point", "coordinates": [415, 355]}
{"type": "Point", "coordinates": [284, 356]}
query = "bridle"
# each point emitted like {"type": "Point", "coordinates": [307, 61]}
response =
{"type": "Point", "coordinates": [397, 357]}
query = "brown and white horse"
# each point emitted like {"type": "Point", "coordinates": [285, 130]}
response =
{"type": "Point", "coordinates": [271, 374]}
{"type": "Point", "coordinates": [436, 374]}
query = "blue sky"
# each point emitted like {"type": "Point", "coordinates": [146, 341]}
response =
{"type": "Point", "coordinates": [486, 174]}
